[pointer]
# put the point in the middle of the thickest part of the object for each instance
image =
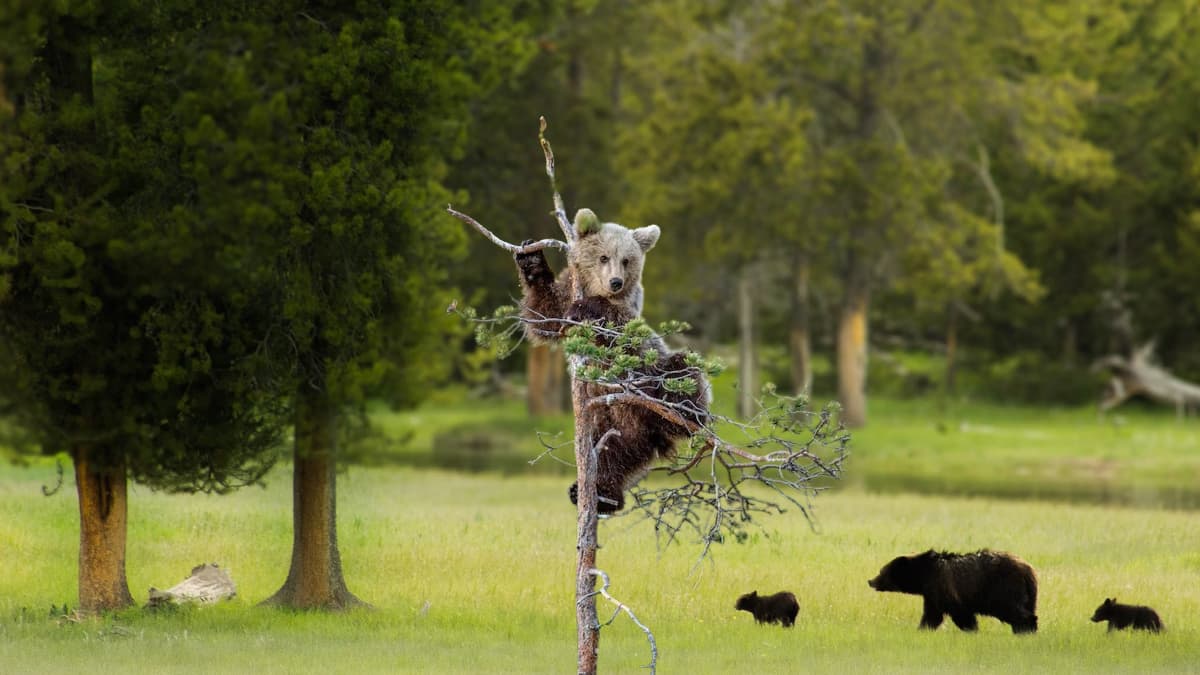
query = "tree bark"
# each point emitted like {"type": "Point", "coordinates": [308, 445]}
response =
{"type": "Point", "coordinates": [951, 346]}
{"type": "Point", "coordinates": [587, 624]}
{"type": "Point", "coordinates": [103, 508]}
{"type": "Point", "coordinates": [799, 340]}
{"type": "Point", "coordinates": [746, 361]}
{"type": "Point", "coordinates": [852, 355]}
{"type": "Point", "coordinates": [314, 580]}
{"type": "Point", "coordinates": [544, 374]}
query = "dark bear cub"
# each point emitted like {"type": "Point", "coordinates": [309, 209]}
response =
{"type": "Point", "coordinates": [780, 608]}
{"type": "Point", "coordinates": [1120, 617]}
{"type": "Point", "coordinates": [992, 583]}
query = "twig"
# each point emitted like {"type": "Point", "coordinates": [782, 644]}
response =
{"type": "Point", "coordinates": [622, 607]}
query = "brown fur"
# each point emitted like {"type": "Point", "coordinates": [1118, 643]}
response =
{"type": "Point", "coordinates": [781, 607]}
{"type": "Point", "coordinates": [992, 583]}
{"type": "Point", "coordinates": [601, 254]}
{"type": "Point", "coordinates": [609, 259]}
{"type": "Point", "coordinates": [1120, 617]}
{"type": "Point", "coordinates": [644, 435]}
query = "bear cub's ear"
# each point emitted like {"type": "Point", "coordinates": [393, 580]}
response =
{"type": "Point", "coordinates": [586, 222]}
{"type": "Point", "coordinates": [646, 237]}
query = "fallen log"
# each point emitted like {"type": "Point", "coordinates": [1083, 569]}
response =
{"type": "Point", "coordinates": [1138, 375]}
{"type": "Point", "coordinates": [207, 583]}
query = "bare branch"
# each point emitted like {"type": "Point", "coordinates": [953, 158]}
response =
{"type": "Point", "coordinates": [560, 211]}
{"type": "Point", "coordinates": [511, 248]}
{"type": "Point", "coordinates": [622, 607]}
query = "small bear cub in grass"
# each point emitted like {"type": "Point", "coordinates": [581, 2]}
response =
{"type": "Point", "coordinates": [779, 608]}
{"type": "Point", "coordinates": [1120, 617]}
{"type": "Point", "coordinates": [992, 583]}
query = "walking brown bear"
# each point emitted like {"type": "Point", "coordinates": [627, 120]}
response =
{"type": "Point", "coordinates": [780, 608]}
{"type": "Point", "coordinates": [992, 583]}
{"type": "Point", "coordinates": [1120, 617]}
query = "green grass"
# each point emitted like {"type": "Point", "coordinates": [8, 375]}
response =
{"type": "Point", "coordinates": [1138, 457]}
{"type": "Point", "coordinates": [473, 574]}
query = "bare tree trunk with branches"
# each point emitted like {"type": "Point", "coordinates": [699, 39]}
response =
{"type": "Point", "coordinates": [629, 366]}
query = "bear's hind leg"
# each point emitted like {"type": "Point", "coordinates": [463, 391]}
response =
{"type": "Point", "coordinates": [1025, 623]}
{"type": "Point", "coordinates": [606, 501]}
{"type": "Point", "coordinates": [964, 620]}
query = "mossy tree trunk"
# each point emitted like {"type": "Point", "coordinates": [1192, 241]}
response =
{"type": "Point", "coordinates": [315, 579]}
{"type": "Point", "coordinates": [747, 385]}
{"type": "Point", "coordinates": [544, 375]}
{"type": "Point", "coordinates": [799, 340]}
{"type": "Point", "coordinates": [103, 508]}
{"type": "Point", "coordinates": [852, 354]}
{"type": "Point", "coordinates": [951, 347]}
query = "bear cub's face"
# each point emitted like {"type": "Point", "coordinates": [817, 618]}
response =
{"type": "Point", "coordinates": [608, 256]}
{"type": "Point", "coordinates": [747, 602]}
{"type": "Point", "coordinates": [1104, 612]}
{"type": "Point", "coordinates": [906, 574]}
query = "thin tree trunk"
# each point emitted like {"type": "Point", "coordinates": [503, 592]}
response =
{"type": "Point", "coordinates": [746, 360]}
{"type": "Point", "coordinates": [852, 355]}
{"type": "Point", "coordinates": [103, 508]}
{"type": "Point", "coordinates": [587, 624]}
{"type": "Point", "coordinates": [799, 340]}
{"type": "Point", "coordinates": [544, 374]}
{"type": "Point", "coordinates": [951, 346]}
{"type": "Point", "coordinates": [315, 579]}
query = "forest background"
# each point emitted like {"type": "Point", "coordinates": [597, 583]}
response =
{"type": "Point", "coordinates": [225, 227]}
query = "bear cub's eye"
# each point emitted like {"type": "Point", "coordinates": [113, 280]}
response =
{"type": "Point", "coordinates": [603, 259]}
{"type": "Point", "coordinates": [624, 262]}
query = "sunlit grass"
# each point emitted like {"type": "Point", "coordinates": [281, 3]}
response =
{"type": "Point", "coordinates": [473, 574]}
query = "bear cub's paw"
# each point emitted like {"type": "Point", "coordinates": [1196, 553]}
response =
{"type": "Point", "coordinates": [604, 504]}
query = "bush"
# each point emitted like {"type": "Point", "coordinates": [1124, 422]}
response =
{"type": "Point", "coordinates": [1031, 377]}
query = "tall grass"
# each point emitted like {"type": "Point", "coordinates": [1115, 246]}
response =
{"type": "Point", "coordinates": [474, 574]}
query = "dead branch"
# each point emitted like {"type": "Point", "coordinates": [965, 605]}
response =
{"type": "Point", "coordinates": [622, 607]}
{"type": "Point", "coordinates": [1138, 374]}
{"type": "Point", "coordinates": [207, 583]}
{"type": "Point", "coordinates": [511, 248]}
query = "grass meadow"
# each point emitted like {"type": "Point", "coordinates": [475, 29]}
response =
{"type": "Point", "coordinates": [473, 573]}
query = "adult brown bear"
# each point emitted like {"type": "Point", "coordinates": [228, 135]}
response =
{"type": "Point", "coordinates": [992, 583]}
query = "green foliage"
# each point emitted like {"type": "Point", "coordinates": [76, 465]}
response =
{"type": "Point", "coordinates": [1031, 376]}
{"type": "Point", "coordinates": [205, 207]}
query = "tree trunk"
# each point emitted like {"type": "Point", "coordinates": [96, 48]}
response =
{"type": "Point", "coordinates": [799, 341]}
{"type": "Point", "coordinates": [746, 361]}
{"type": "Point", "coordinates": [587, 625]}
{"type": "Point", "coordinates": [852, 355]}
{"type": "Point", "coordinates": [951, 346]}
{"type": "Point", "coordinates": [314, 580]}
{"type": "Point", "coordinates": [103, 504]}
{"type": "Point", "coordinates": [544, 373]}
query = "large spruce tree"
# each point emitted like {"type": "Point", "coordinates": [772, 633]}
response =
{"type": "Point", "coordinates": [127, 341]}
{"type": "Point", "coordinates": [217, 215]}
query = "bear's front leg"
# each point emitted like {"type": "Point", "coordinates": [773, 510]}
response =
{"type": "Point", "coordinates": [545, 298]}
{"type": "Point", "coordinates": [932, 616]}
{"type": "Point", "coordinates": [964, 620]}
{"type": "Point", "coordinates": [535, 271]}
